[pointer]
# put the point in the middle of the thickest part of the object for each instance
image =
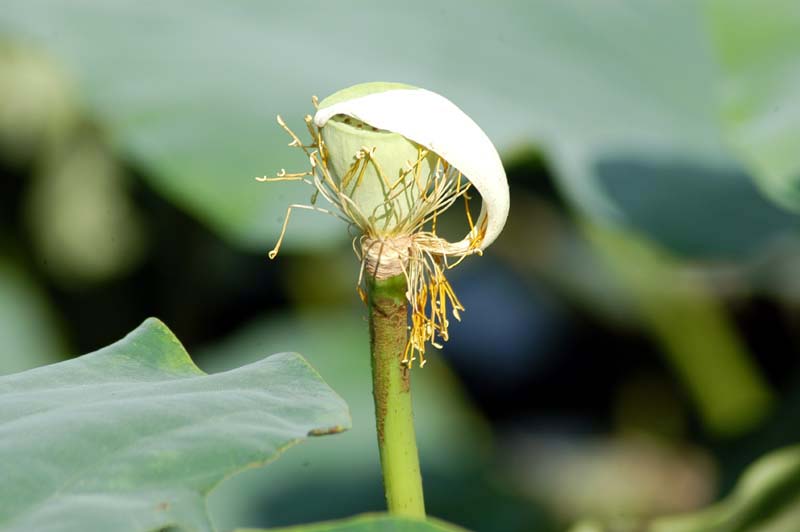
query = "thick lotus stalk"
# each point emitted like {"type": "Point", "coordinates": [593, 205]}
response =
{"type": "Point", "coordinates": [389, 159]}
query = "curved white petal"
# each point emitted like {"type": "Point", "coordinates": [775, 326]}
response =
{"type": "Point", "coordinates": [436, 123]}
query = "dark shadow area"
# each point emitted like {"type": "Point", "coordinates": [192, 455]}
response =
{"type": "Point", "coordinates": [468, 500]}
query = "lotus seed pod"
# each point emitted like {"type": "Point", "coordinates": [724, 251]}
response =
{"type": "Point", "coordinates": [375, 168]}
{"type": "Point", "coordinates": [423, 119]}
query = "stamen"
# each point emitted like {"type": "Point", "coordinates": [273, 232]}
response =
{"type": "Point", "coordinates": [283, 176]}
{"type": "Point", "coordinates": [274, 251]}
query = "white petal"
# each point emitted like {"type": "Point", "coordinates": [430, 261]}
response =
{"type": "Point", "coordinates": [437, 124]}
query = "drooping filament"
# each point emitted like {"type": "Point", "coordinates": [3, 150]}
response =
{"type": "Point", "coordinates": [392, 239]}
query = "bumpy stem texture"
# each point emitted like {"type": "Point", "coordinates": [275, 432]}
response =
{"type": "Point", "coordinates": [392, 390]}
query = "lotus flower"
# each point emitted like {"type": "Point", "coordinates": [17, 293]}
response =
{"type": "Point", "coordinates": [389, 159]}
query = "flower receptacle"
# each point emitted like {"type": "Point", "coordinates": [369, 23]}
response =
{"type": "Point", "coordinates": [376, 169]}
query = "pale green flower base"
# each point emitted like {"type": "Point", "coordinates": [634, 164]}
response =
{"type": "Point", "coordinates": [392, 390]}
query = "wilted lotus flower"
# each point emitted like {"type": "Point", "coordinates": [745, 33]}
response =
{"type": "Point", "coordinates": [390, 158]}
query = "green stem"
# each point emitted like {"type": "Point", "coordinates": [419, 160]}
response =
{"type": "Point", "coordinates": [392, 390]}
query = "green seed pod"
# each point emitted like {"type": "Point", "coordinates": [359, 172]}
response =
{"type": "Point", "coordinates": [413, 119]}
{"type": "Point", "coordinates": [375, 168]}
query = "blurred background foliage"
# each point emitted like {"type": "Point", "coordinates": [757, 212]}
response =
{"type": "Point", "coordinates": [629, 344]}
